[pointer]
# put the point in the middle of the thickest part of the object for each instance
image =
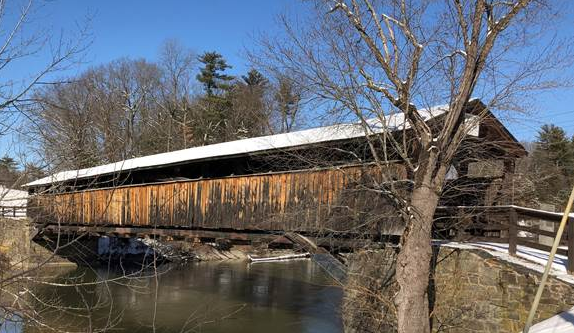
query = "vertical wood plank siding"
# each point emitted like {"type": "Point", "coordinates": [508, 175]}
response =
{"type": "Point", "coordinates": [303, 200]}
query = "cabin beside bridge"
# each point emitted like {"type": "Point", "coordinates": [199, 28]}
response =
{"type": "Point", "coordinates": [320, 182]}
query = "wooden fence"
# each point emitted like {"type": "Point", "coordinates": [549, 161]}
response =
{"type": "Point", "coordinates": [511, 224]}
{"type": "Point", "coordinates": [13, 211]}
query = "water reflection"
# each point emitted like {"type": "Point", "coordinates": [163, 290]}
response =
{"type": "Point", "coordinates": [205, 297]}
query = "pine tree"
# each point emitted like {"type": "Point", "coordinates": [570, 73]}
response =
{"type": "Point", "coordinates": [557, 148]}
{"type": "Point", "coordinates": [8, 163]}
{"type": "Point", "coordinates": [216, 103]}
{"type": "Point", "coordinates": [212, 74]}
{"type": "Point", "coordinates": [9, 173]}
{"type": "Point", "coordinates": [254, 79]}
{"type": "Point", "coordinates": [552, 165]}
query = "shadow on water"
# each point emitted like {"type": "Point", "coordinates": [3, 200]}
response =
{"type": "Point", "coordinates": [209, 297]}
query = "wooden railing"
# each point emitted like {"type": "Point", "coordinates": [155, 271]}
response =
{"type": "Point", "coordinates": [13, 211]}
{"type": "Point", "coordinates": [511, 224]}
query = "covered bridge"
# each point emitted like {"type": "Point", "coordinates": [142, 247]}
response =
{"type": "Point", "coordinates": [311, 181]}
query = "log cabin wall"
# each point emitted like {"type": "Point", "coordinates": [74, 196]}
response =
{"type": "Point", "coordinates": [313, 200]}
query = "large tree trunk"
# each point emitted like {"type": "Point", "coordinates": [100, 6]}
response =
{"type": "Point", "coordinates": [413, 264]}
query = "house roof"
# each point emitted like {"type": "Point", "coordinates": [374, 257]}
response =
{"type": "Point", "coordinates": [11, 197]}
{"type": "Point", "coordinates": [325, 134]}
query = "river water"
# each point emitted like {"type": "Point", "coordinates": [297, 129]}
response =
{"type": "Point", "coordinates": [207, 297]}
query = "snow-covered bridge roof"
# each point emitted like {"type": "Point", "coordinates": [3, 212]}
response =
{"type": "Point", "coordinates": [243, 147]}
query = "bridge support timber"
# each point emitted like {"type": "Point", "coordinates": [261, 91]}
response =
{"type": "Point", "coordinates": [322, 257]}
{"type": "Point", "coordinates": [336, 241]}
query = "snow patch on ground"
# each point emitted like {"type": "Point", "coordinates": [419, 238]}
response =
{"type": "Point", "coordinates": [561, 323]}
{"type": "Point", "coordinates": [526, 257]}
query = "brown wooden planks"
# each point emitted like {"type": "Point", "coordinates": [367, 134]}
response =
{"type": "Point", "coordinates": [282, 201]}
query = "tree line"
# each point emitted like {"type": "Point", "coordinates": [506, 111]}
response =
{"type": "Point", "coordinates": [133, 107]}
{"type": "Point", "coordinates": [13, 174]}
{"type": "Point", "coordinates": [129, 108]}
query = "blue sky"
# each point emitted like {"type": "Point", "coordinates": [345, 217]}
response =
{"type": "Point", "coordinates": [136, 29]}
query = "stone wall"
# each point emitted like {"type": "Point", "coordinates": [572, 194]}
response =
{"type": "Point", "coordinates": [17, 250]}
{"type": "Point", "coordinates": [470, 291]}
{"type": "Point", "coordinates": [14, 239]}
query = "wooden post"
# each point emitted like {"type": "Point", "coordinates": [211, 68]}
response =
{"type": "Point", "coordinates": [512, 231]}
{"type": "Point", "coordinates": [549, 262]}
{"type": "Point", "coordinates": [570, 244]}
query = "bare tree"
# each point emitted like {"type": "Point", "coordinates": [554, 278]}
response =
{"type": "Point", "coordinates": [287, 102]}
{"type": "Point", "coordinates": [250, 111]}
{"type": "Point", "coordinates": [106, 114]}
{"type": "Point", "coordinates": [386, 63]}
{"type": "Point", "coordinates": [50, 54]}
{"type": "Point", "coordinates": [178, 65]}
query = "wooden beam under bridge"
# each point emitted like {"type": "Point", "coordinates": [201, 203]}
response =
{"type": "Point", "coordinates": [331, 241]}
{"type": "Point", "coordinates": [322, 257]}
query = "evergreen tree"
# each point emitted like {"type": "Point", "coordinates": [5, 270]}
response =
{"type": "Point", "coordinates": [556, 147]}
{"type": "Point", "coordinates": [217, 105]}
{"type": "Point", "coordinates": [254, 79]}
{"type": "Point", "coordinates": [212, 74]}
{"type": "Point", "coordinates": [9, 173]}
{"type": "Point", "coordinates": [8, 163]}
{"type": "Point", "coordinates": [552, 165]}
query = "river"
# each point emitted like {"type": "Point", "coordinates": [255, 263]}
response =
{"type": "Point", "coordinates": [207, 297]}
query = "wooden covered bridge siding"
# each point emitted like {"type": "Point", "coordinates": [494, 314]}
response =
{"type": "Point", "coordinates": [311, 200]}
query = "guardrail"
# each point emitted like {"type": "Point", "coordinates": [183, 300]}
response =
{"type": "Point", "coordinates": [13, 211]}
{"type": "Point", "coordinates": [511, 224]}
